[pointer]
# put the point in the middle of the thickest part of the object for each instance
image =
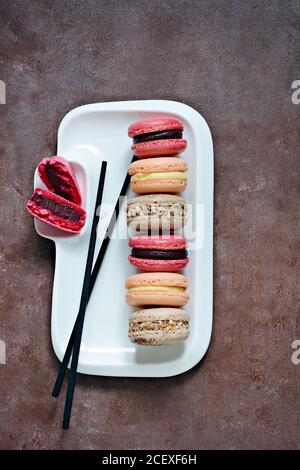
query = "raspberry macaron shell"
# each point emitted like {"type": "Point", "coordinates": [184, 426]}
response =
{"type": "Point", "coordinates": [158, 242]}
{"type": "Point", "coordinates": [151, 265]}
{"type": "Point", "coordinates": [158, 148]}
{"type": "Point", "coordinates": [57, 174]}
{"type": "Point", "coordinates": [145, 126]}
{"type": "Point", "coordinates": [56, 211]}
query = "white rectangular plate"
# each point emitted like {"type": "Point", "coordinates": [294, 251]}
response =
{"type": "Point", "coordinates": [86, 136]}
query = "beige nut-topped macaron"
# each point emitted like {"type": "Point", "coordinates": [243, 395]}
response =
{"type": "Point", "coordinates": [156, 212]}
{"type": "Point", "coordinates": [157, 326]}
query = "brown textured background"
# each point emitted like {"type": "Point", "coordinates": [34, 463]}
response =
{"type": "Point", "coordinates": [234, 61]}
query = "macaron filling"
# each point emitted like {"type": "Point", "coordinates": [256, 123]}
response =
{"type": "Point", "coordinates": [56, 208]}
{"type": "Point", "coordinates": [166, 134]}
{"type": "Point", "coordinates": [164, 175]}
{"type": "Point", "coordinates": [157, 288]}
{"type": "Point", "coordinates": [159, 254]}
{"type": "Point", "coordinates": [54, 177]}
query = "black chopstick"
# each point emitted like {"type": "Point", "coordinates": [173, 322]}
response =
{"type": "Point", "coordinates": [96, 269]}
{"type": "Point", "coordinates": [109, 231]}
{"type": "Point", "coordinates": [83, 300]}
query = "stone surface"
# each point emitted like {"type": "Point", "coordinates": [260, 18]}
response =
{"type": "Point", "coordinates": [234, 61]}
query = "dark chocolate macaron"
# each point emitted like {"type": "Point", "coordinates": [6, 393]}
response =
{"type": "Point", "coordinates": [158, 253]}
{"type": "Point", "coordinates": [157, 137]}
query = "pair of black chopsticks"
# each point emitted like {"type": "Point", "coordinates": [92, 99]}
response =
{"type": "Point", "coordinates": [90, 277]}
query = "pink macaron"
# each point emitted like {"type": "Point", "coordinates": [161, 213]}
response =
{"type": "Point", "coordinates": [56, 211]}
{"type": "Point", "coordinates": [157, 137]}
{"type": "Point", "coordinates": [158, 253]}
{"type": "Point", "coordinates": [57, 174]}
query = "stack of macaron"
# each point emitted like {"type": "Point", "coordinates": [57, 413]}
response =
{"type": "Point", "coordinates": [158, 175]}
{"type": "Point", "coordinates": [157, 143]}
{"type": "Point", "coordinates": [59, 205]}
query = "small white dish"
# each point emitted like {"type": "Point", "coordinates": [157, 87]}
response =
{"type": "Point", "coordinates": [86, 136]}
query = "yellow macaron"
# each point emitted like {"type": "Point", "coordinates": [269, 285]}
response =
{"type": "Point", "coordinates": [162, 289]}
{"type": "Point", "coordinates": [158, 175]}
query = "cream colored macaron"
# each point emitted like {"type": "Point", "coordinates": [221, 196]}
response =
{"type": "Point", "coordinates": [162, 289]}
{"type": "Point", "coordinates": [157, 326]}
{"type": "Point", "coordinates": [158, 175]}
